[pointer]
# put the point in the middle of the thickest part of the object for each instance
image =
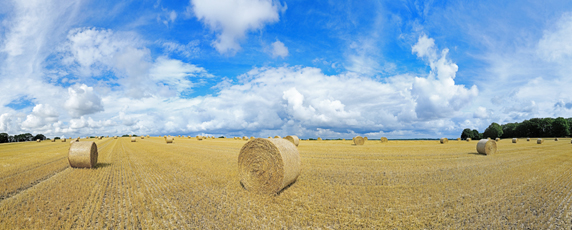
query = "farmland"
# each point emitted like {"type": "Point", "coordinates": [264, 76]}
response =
{"type": "Point", "coordinates": [194, 184]}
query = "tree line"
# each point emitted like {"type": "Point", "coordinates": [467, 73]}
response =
{"type": "Point", "coordinates": [535, 127]}
{"type": "Point", "coordinates": [4, 137]}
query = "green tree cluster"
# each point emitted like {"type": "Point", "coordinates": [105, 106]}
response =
{"type": "Point", "coordinates": [535, 127]}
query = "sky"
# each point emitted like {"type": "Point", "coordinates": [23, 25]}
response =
{"type": "Point", "coordinates": [330, 69]}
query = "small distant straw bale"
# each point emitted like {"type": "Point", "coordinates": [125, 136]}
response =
{"type": "Point", "coordinates": [444, 140]}
{"type": "Point", "coordinates": [365, 138]}
{"type": "Point", "coordinates": [539, 141]}
{"type": "Point", "coordinates": [514, 140]}
{"type": "Point", "coordinates": [168, 140]}
{"type": "Point", "coordinates": [319, 138]}
{"type": "Point", "coordinates": [383, 139]}
{"type": "Point", "coordinates": [469, 139]}
{"type": "Point", "coordinates": [133, 139]}
{"type": "Point", "coordinates": [528, 139]}
{"type": "Point", "coordinates": [38, 140]}
{"type": "Point", "coordinates": [487, 147]}
{"type": "Point", "coordinates": [83, 154]}
{"type": "Point", "coordinates": [53, 140]}
{"type": "Point", "coordinates": [459, 139]}
{"type": "Point", "coordinates": [555, 139]}
{"type": "Point", "coordinates": [497, 140]}
{"type": "Point", "coordinates": [245, 138]}
{"type": "Point", "coordinates": [63, 140]}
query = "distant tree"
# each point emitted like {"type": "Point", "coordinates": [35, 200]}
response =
{"type": "Point", "coordinates": [126, 135]}
{"type": "Point", "coordinates": [560, 127]}
{"type": "Point", "coordinates": [546, 127]}
{"type": "Point", "coordinates": [493, 131]}
{"type": "Point", "coordinates": [476, 135]}
{"type": "Point", "coordinates": [4, 137]}
{"type": "Point", "coordinates": [570, 124]}
{"type": "Point", "coordinates": [39, 136]}
{"type": "Point", "coordinates": [57, 138]}
{"type": "Point", "coordinates": [221, 137]}
{"type": "Point", "coordinates": [466, 134]}
{"type": "Point", "coordinates": [509, 130]}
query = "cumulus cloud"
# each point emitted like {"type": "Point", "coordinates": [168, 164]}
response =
{"type": "Point", "coordinates": [41, 115]}
{"type": "Point", "coordinates": [437, 95]}
{"type": "Point", "coordinates": [279, 50]}
{"type": "Point", "coordinates": [82, 101]}
{"type": "Point", "coordinates": [232, 19]}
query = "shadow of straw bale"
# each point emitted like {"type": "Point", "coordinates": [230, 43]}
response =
{"type": "Point", "coordinates": [102, 165]}
{"type": "Point", "coordinates": [476, 153]}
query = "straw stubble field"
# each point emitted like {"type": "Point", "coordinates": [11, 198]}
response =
{"type": "Point", "coordinates": [191, 183]}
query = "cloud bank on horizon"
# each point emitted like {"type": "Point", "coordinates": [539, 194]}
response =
{"type": "Point", "coordinates": [265, 67]}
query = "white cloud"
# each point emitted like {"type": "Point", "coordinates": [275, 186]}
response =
{"type": "Point", "coordinates": [41, 115]}
{"type": "Point", "coordinates": [437, 95]}
{"type": "Point", "coordinates": [555, 44]}
{"type": "Point", "coordinates": [82, 101]}
{"type": "Point", "coordinates": [190, 50]}
{"type": "Point", "coordinates": [232, 19]}
{"type": "Point", "coordinates": [279, 50]}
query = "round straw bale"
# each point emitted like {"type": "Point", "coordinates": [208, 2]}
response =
{"type": "Point", "coordinates": [358, 140]}
{"type": "Point", "coordinates": [169, 140]}
{"type": "Point", "coordinates": [63, 140]}
{"type": "Point", "coordinates": [83, 154]}
{"type": "Point", "coordinates": [365, 138]}
{"type": "Point", "coordinates": [488, 138]}
{"type": "Point", "coordinates": [266, 166]}
{"type": "Point", "coordinates": [539, 141]}
{"type": "Point", "coordinates": [245, 138]}
{"type": "Point", "coordinates": [487, 147]}
{"type": "Point", "coordinates": [469, 139]}
{"type": "Point", "coordinates": [53, 140]}
{"type": "Point", "coordinates": [319, 138]}
{"type": "Point", "coordinates": [528, 139]}
{"type": "Point", "coordinates": [130, 135]}
{"type": "Point", "coordinates": [497, 140]}
{"type": "Point", "coordinates": [142, 137]}
{"type": "Point", "coordinates": [294, 139]}
{"type": "Point", "coordinates": [277, 136]}
{"type": "Point", "coordinates": [251, 138]}
{"type": "Point", "coordinates": [444, 140]}
{"type": "Point", "coordinates": [570, 141]}
{"type": "Point", "coordinates": [38, 140]}
{"type": "Point", "coordinates": [514, 140]}
{"type": "Point", "coordinates": [133, 139]}
{"type": "Point", "coordinates": [555, 139]}
{"type": "Point", "coordinates": [459, 139]}
{"type": "Point", "coordinates": [383, 139]}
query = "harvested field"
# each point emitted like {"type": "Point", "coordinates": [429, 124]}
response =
{"type": "Point", "coordinates": [195, 184]}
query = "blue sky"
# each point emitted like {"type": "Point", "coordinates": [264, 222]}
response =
{"type": "Point", "coordinates": [400, 69]}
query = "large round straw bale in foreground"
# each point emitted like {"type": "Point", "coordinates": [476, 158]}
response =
{"type": "Point", "coordinates": [133, 139]}
{"type": "Point", "coordinates": [358, 140]}
{"type": "Point", "coordinates": [294, 139]}
{"type": "Point", "coordinates": [514, 140]}
{"type": "Point", "coordinates": [169, 140]}
{"type": "Point", "coordinates": [266, 166]}
{"type": "Point", "coordinates": [83, 154]}
{"type": "Point", "coordinates": [444, 140]}
{"type": "Point", "coordinates": [487, 147]}
{"type": "Point", "coordinates": [539, 141]}
{"type": "Point", "coordinates": [383, 139]}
